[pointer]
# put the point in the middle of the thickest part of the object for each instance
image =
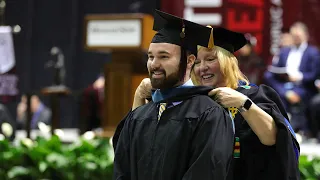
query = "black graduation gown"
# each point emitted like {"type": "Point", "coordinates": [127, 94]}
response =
{"type": "Point", "coordinates": [258, 161]}
{"type": "Point", "coordinates": [193, 140]}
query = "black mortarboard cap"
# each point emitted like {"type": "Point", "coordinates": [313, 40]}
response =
{"type": "Point", "coordinates": [228, 40]}
{"type": "Point", "coordinates": [181, 32]}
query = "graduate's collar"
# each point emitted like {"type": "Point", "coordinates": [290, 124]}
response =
{"type": "Point", "coordinates": [158, 95]}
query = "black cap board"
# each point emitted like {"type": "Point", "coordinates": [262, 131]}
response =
{"type": "Point", "coordinates": [175, 30]}
{"type": "Point", "coordinates": [229, 40]}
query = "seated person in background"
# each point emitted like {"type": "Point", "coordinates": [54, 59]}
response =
{"type": "Point", "coordinates": [7, 125]}
{"type": "Point", "coordinates": [40, 113]}
{"type": "Point", "coordinates": [295, 84]}
{"type": "Point", "coordinates": [314, 113]}
{"type": "Point", "coordinates": [91, 105]}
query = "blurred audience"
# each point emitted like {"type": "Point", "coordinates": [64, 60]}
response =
{"type": "Point", "coordinates": [40, 113]}
{"type": "Point", "coordinates": [301, 62]}
{"type": "Point", "coordinates": [249, 62]}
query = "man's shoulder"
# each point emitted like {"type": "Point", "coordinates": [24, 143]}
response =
{"type": "Point", "coordinates": [310, 46]}
{"type": "Point", "coordinates": [201, 102]}
{"type": "Point", "coordinates": [45, 111]}
{"type": "Point", "coordinates": [285, 50]}
{"type": "Point", "coordinates": [312, 49]}
{"type": "Point", "coordinates": [206, 109]}
{"type": "Point", "coordinates": [203, 99]}
{"type": "Point", "coordinates": [144, 109]}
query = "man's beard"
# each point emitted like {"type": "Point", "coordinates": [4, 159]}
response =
{"type": "Point", "coordinates": [167, 81]}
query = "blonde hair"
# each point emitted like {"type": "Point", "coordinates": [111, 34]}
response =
{"type": "Point", "coordinates": [228, 66]}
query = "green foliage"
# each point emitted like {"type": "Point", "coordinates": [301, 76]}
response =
{"type": "Point", "coordinates": [82, 160]}
{"type": "Point", "coordinates": [309, 168]}
{"type": "Point", "coordinates": [51, 159]}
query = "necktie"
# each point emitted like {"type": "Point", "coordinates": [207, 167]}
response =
{"type": "Point", "coordinates": [161, 109]}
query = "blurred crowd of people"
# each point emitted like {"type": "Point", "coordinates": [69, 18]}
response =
{"type": "Point", "coordinates": [294, 73]}
{"type": "Point", "coordinates": [90, 101]}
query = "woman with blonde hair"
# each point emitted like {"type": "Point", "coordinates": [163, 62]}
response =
{"type": "Point", "coordinates": [265, 146]}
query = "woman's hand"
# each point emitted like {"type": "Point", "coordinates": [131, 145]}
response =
{"type": "Point", "coordinates": [260, 122]}
{"type": "Point", "coordinates": [143, 91]}
{"type": "Point", "coordinates": [228, 97]}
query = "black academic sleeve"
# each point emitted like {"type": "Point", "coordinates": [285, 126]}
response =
{"type": "Point", "coordinates": [286, 147]}
{"type": "Point", "coordinates": [118, 130]}
{"type": "Point", "coordinates": [212, 147]}
{"type": "Point", "coordinates": [121, 169]}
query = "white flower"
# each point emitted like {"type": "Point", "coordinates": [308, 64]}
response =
{"type": "Point", "coordinates": [6, 129]}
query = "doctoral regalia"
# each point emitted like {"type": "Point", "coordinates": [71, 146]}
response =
{"type": "Point", "coordinates": [192, 140]}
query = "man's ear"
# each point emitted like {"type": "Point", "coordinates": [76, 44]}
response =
{"type": "Point", "coordinates": [190, 60]}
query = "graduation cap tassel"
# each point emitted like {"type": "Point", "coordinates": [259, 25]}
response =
{"type": "Point", "coordinates": [183, 34]}
{"type": "Point", "coordinates": [183, 62]}
{"type": "Point", "coordinates": [211, 40]}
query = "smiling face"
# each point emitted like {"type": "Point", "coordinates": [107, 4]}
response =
{"type": "Point", "coordinates": [163, 65]}
{"type": "Point", "coordinates": [207, 68]}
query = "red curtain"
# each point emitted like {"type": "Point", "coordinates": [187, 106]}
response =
{"type": "Point", "coordinates": [263, 19]}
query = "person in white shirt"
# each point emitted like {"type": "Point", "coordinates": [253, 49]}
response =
{"type": "Point", "coordinates": [296, 86]}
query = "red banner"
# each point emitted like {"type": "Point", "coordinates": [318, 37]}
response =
{"type": "Point", "coordinates": [263, 19]}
